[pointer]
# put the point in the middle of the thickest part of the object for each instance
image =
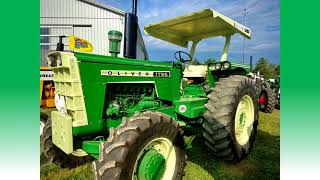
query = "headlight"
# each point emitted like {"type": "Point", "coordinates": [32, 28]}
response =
{"type": "Point", "coordinates": [212, 67]}
{"type": "Point", "coordinates": [218, 66]}
{"type": "Point", "coordinates": [226, 65]}
{"type": "Point", "coordinates": [59, 61]}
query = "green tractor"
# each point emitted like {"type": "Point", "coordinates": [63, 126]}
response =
{"type": "Point", "coordinates": [130, 116]}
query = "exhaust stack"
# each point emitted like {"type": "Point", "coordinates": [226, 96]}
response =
{"type": "Point", "coordinates": [134, 7]}
{"type": "Point", "coordinates": [60, 45]}
{"type": "Point", "coordinates": [130, 32]}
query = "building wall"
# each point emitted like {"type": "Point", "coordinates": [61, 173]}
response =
{"type": "Point", "coordinates": [84, 20]}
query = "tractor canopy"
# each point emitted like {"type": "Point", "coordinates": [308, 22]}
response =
{"type": "Point", "coordinates": [195, 27]}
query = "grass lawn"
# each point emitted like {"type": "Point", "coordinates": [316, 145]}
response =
{"type": "Point", "coordinates": [262, 163]}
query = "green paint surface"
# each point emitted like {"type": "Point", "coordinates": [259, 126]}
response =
{"type": "Point", "coordinates": [194, 107]}
{"type": "Point", "coordinates": [151, 165]}
{"type": "Point", "coordinates": [193, 90]}
{"type": "Point", "coordinates": [91, 147]}
{"type": "Point", "coordinates": [241, 119]}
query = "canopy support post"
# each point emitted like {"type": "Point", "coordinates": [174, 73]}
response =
{"type": "Point", "coordinates": [225, 48]}
{"type": "Point", "coordinates": [193, 48]}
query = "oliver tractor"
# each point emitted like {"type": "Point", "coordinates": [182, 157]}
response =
{"type": "Point", "coordinates": [130, 116]}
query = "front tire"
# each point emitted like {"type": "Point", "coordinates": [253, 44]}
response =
{"type": "Point", "coordinates": [56, 155]}
{"type": "Point", "coordinates": [231, 118]}
{"type": "Point", "coordinates": [147, 146]}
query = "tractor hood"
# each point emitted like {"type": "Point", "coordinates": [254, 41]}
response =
{"type": "Point", "coordinates": [95, 58]}
{"type": "Point", "coordinates": [196, 26]}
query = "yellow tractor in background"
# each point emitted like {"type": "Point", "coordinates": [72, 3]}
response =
{"type": "Point", "coordinates": [46, 94]}
{"type": "Point", "coordinates": [46, 87]}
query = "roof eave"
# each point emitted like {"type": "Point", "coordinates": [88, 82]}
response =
{"type": "Point", "coordinates": [104, 6]}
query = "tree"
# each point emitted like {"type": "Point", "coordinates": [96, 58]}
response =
{"type": "Point", "coordinates": [210, 61]}
{"type": "Point", "coordinates": [278, 70]}
{"type": "Point", "coordinates": [195, 62]}
{"type": "Point", "coordinates": [267, 69]}
{"type": "Point", "coordinates": [262, 65]}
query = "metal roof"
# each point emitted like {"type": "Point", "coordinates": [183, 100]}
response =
{"type": "Point", "coordinates": [196, 26]}
{"type": "Point", "coordinates": [104, 6]}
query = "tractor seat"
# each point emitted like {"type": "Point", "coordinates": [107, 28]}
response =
{"type": "Point", "coordinates": [195, 71]}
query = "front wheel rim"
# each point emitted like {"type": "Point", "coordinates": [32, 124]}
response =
{"type": "Point", "coordinates": [244, 120]}
{"type": "Point", "coordinates": [161, 150]}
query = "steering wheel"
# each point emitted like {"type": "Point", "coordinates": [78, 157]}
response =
{"type": "Point", "coordinates": [178, 57]}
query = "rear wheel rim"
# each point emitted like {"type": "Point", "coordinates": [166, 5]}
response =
{"type": "Point", "coordinates": [265, 97]}
{"type": "Point", "coordinates": [244, 120]}
{"type": "Point", "coordinates": [156, 160]}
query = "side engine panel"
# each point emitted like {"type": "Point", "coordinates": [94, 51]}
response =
{"type": "Point", "coordinates": [99, 88]}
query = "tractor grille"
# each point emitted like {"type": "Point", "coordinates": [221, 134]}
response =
{"type": "Point", "coordinates": [68, 84]}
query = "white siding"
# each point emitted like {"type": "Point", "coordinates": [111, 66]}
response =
{"type": "Point", "coordinates": [77, 14]}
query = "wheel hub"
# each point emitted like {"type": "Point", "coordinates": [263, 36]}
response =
{"type": "Point", "coordinates": [156, 160]}
{"type": "Point", "coordinates": [244, 120]}
{"type": "Point", "coordinates": [152, 165]}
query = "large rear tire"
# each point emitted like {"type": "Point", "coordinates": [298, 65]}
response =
{"type": "Point", "coordinates": [231, 118]}
{"type": "Point", "coordinates": [147, 146]}
{"type": "Point", "coordinates": [258, 85]}
{"type": "Point", "coordinates": [56, 155]}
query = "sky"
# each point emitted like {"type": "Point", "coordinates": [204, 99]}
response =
{"type": "Point", "coordinates": [263, 19]}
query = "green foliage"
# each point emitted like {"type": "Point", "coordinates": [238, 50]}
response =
{"type": "Point", "coordinates": [195, 62]}
{"type": "Point", "coordinates": [278, 70]}
{"type": "Point", "coordinates": [267, 69]}
{"type": "Point", "coordinates": [210, 61]}
{"type": "Point", "coordinates": [47, 169]}
{"type": "Point", "coordinates": [53, 172]}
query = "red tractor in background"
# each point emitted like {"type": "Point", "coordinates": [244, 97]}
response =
{"type": "Point", "coordinates": [267, 98]}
